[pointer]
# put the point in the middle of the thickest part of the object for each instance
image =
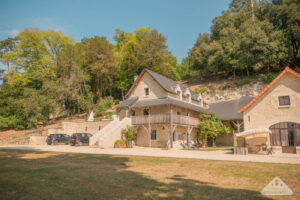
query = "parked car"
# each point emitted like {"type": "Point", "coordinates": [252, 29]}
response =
{"type": "Point", "coordinates": [58, 139]}
{"type": "Point", "coordinates": [80, 139]}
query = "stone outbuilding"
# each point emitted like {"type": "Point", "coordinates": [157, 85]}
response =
{"type": "Point", "coordinates": [277, 107]}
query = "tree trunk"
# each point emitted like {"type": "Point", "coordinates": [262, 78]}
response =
{"type": "Point", "coordinates": [247, 70]}
{"type": "Point", "coordinates": [252, 10]}
{"type": "Point", "coordinates": [99, 93]}
{"type": "Point", "coordinates": [234, 74]}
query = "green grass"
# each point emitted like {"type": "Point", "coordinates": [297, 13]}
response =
{"type": "Point", "coordinates": [52, 175]}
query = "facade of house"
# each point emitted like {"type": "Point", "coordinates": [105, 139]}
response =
{"type": "Point", "coordinates": [163, 112]}
{"type": "Point", "coordinates": [277, 107]}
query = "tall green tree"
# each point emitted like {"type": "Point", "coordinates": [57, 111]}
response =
{"type": "Point", "coordinates": [143, 48]}
{"type": "Point", "coordinates": [287, 19]}
{"type": "Point", "coordinates": [34, 54]}
{"type": "Point", "coordinates": [244, 39]}
{"type": "Point", "coordinates": [6, 46]}
{"type": "Point", "coordinates": [98, 60]}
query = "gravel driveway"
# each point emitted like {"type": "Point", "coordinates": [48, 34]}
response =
{"type": "Point", "coordinates": [156, 152]}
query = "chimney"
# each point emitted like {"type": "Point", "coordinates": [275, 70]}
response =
{"type": "Point", "coordinates": [135, 77]}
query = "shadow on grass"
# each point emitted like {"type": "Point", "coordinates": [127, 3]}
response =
{"type": "Point", "coordinates": [25, 175]}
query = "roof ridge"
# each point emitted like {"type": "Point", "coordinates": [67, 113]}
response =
{"type": "Point", "coordinates": [286, 69]}
{"type": "Point", "coordinates": [164, 82]}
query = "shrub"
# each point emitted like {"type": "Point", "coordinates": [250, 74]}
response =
{"type": "Point", "coordinates": [242, 82]}
{"type": "Point", "coordinates": [227, 86]}
{"type": "Point", "coordinates": [8, 122]}
{"type": "Point", "coordinates": [268, 77]}
{"type": "Point", "coordinates": [103, 105]}
{"type": "Point", "coordinates": [201, 90]}
{"type": "Point", "coordinates": [119, 144]}
{"type": "Point", "coordinates": [129, 135]}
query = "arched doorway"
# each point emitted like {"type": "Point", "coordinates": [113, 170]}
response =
{"type": "Point", "coordinates": [286, 135]}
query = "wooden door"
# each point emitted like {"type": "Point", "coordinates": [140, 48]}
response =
{"type": "Point", "coordinates": [290, 145]}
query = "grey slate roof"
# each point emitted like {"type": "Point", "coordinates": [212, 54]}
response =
{"type": "Point", "coordinates": [228, 110]}
{"type": "Point", "coordinates": [127, 102]}
{"type": "Point", "coordinates": [167, 101]}
{"type": "Point", "coordinates": [168, 84]}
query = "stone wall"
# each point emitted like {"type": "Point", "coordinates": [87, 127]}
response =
{"type": "Point", "coordinates": [224, 140]}
{"type": "Point", "coordinates": [38, 140]}
{"type": "Point", "coordinates": [80, 127]}
{"type": "Point", "coordinates": [218, 94]}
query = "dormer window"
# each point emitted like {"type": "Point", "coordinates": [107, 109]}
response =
{"type": "Point", "coordinates": [284, 100]}
{"type": "Point", "coordinates": [178, 93]}
{"type": "Point", "coordinates": [188, 98]}
{"type": "Point", "coordinates": [146, 92]}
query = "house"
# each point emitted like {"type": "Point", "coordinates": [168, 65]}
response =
{"type": "Point", "coordinates": [226, 111]}
{"type": "Point", "coordinates": [164, 112]}
{"type": "Point", "coordinates": [277, 108]}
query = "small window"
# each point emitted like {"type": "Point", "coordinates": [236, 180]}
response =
{"type": "Point", "coordinates": [146, 92]}
{"type": "Point", "coordinates": [249, 118]}
{"type": "Point", "coordinates": [178, 94]}
{"type": "Point", "coordinates": [178, 113]}
{"type": "Point", "coordinates": [132, 113]}
{"type": "Point", "coordinates": [284, 100]}
{"type": "Point", "coordinates": [200, 101]}
{"type": "Point", "coordinates": [146, 111]}
{"type": "Point", "coordinates": [153, 135]}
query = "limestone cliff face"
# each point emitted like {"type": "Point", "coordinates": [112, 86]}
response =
{"type": "Point", "coordinates": [222, 92]}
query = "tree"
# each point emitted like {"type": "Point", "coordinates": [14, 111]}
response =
{"type": "Point", "coordinates": [209, 128]}
{"type": "Point", "coordinates": [143, 48]}
{"type": "Point", "coordinates": [129, 134]}
{"type": "Point", "coordinates": [286, 18]}
{"type": "Point", "coordinates": [74, 92]}
{"type": "Point", "coordinates": [34, 54]}
{"type": "Point", "coordinates": [245, 38]}
{"type": "Point", "coordinates": [23, 108]}
{"type": "Point", "coordinates": [98, 61]}
{"type": "Point", "coordinates": [206, 55]}
{"type": "Point", "coordinates": [6, 46]}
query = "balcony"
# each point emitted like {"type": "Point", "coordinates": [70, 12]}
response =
{"type": "Point", "coordinates": [164, 119]}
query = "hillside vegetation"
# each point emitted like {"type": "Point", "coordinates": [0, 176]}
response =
{"type": "Point", "coordinates": [49, 75]}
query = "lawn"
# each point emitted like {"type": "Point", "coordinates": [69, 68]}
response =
{"type": "Point", "coordinates": [51, 175]}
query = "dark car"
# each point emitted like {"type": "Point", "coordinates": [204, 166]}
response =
{"type": "Point", "coordinates": [80, 139]}
{"type": "Point", "coordinates": [58, 139]}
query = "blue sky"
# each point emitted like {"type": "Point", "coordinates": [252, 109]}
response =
{"type": "Point", "coordinates": [180, 21]}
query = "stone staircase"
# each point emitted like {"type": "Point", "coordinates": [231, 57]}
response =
{"type": "Point", "coordinates": [106, 137]}
{"type": "Point", "coordinates": [179, 144]}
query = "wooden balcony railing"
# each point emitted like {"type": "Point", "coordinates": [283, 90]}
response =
{"type": "Point", "coordinates": [164, 119]}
